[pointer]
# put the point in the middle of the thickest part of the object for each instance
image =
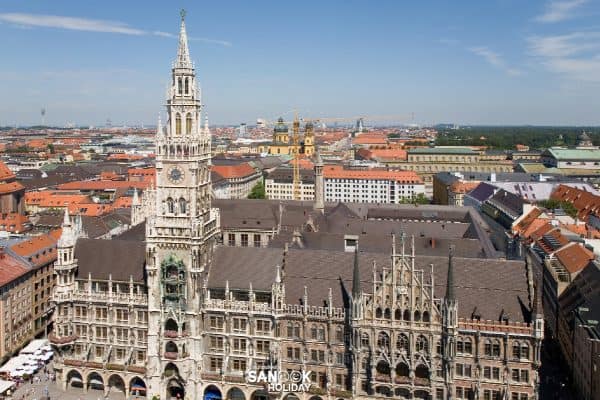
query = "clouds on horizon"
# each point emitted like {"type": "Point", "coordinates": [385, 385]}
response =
{"type": "Point", "coordinates": [559, 10]}
{"type": "Point", "coordinates": [495, 59]}
{"type": "Point", "coordinates": [576, 56]}
{"type": "Point", "coordinates": [24, 20]}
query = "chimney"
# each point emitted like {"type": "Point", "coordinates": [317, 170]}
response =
{"type": "Point", "coordinates": [432, 243]}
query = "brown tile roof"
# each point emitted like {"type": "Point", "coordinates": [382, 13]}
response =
{"type": "Point", "coordinates": [120, 259]}
{"type": "Point", "coordinates": [103, 185]}
{"type": "Point", "coordinates": [482, 285]}
{"type": "Point", "coordinates": [574, 257]}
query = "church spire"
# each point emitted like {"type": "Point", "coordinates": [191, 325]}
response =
{"type": "Point", "coordinates": [450, 279]}
{"type": "Point", "coordinates": [183, 53]}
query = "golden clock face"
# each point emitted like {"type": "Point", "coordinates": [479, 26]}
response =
{"type": "Point", "coordinates": [175, 175]}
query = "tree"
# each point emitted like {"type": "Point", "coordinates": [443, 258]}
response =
{"type": "Point", "coordinates": [418, 199]}
{"type": "Point", "coordinates": [552, 204]}
{"type": "Point", "coordinates": [258, 191]}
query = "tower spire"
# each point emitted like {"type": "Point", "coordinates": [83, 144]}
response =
{"type": "Point", "coordinates": [355, 276]}
{"type": "Point", "coordinates": [183, 53]}
{"type": "Point", "coordinates": [450, 279]}
{"type": "Point", "coordinates": [67, 218]}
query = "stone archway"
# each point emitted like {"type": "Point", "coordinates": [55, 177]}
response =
{"type": "Point", "coordinates": [137, 387]}
{"type": "Point", "coordinates": [116, 383]}
{"type": "Point", "coordinates": [74, 379]}
{"type": "Point", "coordinates": [94, 381]}
{"type": "Point", "coordinates": [212, 393]}
{"type": "Point", "coordinates": [175, 389]}
{"type": "Point", "coordinates": [235, 394]}
{"type": "Point", "coordinates": [259, 395]}
{"type": "Point", "coordinates": [291, 396]}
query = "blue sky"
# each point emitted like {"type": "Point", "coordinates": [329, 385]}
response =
{"type": "Point", "coordinates": [467, 62]}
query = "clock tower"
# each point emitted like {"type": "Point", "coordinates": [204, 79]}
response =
{"type": "Point", "coordinates": [180, 236]}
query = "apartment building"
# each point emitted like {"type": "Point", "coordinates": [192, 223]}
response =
{"type": "Point", "coordinates": [370, 186]}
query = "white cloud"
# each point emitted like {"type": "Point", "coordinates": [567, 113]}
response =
{"type": "Point", "coordinates": [21, 20]}
{"type": "Point", "coordinates": [558, 10]}
{"type": "Point", "coordinates": [70, 23]}
{"type": "Point", "coordinates": [494, 59]}
{"type": "Point", "coordinates": [575, 56]}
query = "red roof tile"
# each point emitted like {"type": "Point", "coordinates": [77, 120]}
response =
{"type": "Point", "coordinates": [574, 257]}
{"type": "Point", "coordinates": [10, 268]}
{"type": "Point", "coordinates": [586, 203]}
{"type": "Point", "coordinates": [234, 171]}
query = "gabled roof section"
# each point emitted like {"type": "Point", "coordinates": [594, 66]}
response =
{"type": "Point", "coordinates": [574, 257]}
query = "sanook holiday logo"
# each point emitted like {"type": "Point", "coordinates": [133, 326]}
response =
{"type": "Point", "coordinates": [281, 381]}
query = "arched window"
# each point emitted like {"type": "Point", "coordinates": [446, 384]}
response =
{"type": "Point", "coordinates": [422, 373]}
{"type": "Point", "coordinates": [378, 313]}
{"type": "Point", "coordinates": [179, 86]}
{"type": "Point", "coordinates": [383, 341]}
{"type": "Point", "coordinates": [406, 316]}
{"type": "Point", "coordinates": [464, 346]}
{"type": "Point", "coordinates": [525, 351]}
{"type": "Point", "coordinates": [182, 206]}
{"type": "Point", "coordinates": [339, 334]}
{"type": "Point", "coordinates": [188, 123]}
{"type": "Point", "coordinates": [387, 314]}
{"type": "Point", "coordinates": [397, 314]}
{"type": "Point", "coordinates": [425, 316]}
{"type": "Point", "coordinates": [382, 368]}
{"type": "Point", "coordinates": [402, 343]}
{"type": "Point", "coordinates": [422, 344]}
{"type": "Point", "coordinates": [364, 340]}
{"type": "Point", "coordinates": [178, 124]}
{"type": "Point", "coordinates": [417, 316]}
{"type": "Point", "coordinates": [170, 206]}
{"type": "Point", "coordinates": [187, 86]}
{"type": "Point", "coordinates": [402, 370]}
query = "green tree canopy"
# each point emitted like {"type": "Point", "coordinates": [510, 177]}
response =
{"type": "Point", "coordinates": [258, 191]}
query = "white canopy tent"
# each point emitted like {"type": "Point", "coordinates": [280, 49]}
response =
{"type": "Point", "coordinates": [5, 386]}
{"type": "Point", "coordinates": [14, 364]}
{"type": "Point", "coordinates": [34, 345]}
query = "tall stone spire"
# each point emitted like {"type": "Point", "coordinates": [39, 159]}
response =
{"type": "Point", "coordinates": [319, 204]}
{"type": "Point", "coordinates": [355, 276]}
{"type": "Point", "coordinates": [450, 280]}
{"type": "Point", "coordinates": [66, 219]}
{"type": "Point", "coordinates": [183, 53]}
{"type": "Point", "coordinates": [159, 127]}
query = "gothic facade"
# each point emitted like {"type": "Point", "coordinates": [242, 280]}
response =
{"type": "Point", "coordinates": [174, 316]}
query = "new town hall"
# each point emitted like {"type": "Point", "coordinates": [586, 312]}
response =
{"type": "Point", "coordinates": [172, 312]}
